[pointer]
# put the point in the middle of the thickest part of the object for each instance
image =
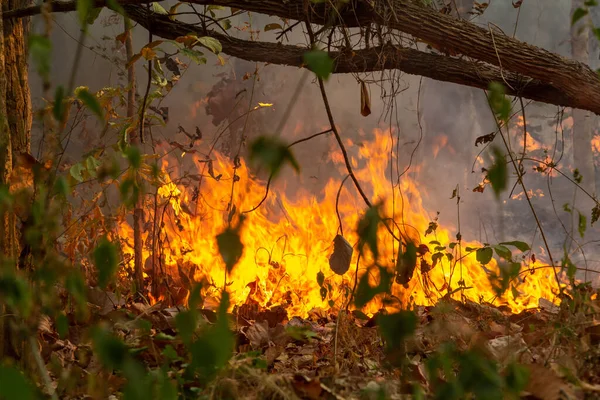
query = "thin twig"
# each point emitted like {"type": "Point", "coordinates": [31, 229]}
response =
{"type": "Point", "coordinates": [271, 176]}
{"type": "Point", "coordinates": [337, 202]}
{"type": "Point", "coordinates": [43, 370]}
{"type": "Point", "coordinates": [522, 183]}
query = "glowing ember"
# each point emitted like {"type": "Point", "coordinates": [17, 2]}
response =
{"type": "Point", "coordinates": [287, 242]}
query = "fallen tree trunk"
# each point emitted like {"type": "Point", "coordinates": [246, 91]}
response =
{"type": "Point", "coordinates": [410, 61]}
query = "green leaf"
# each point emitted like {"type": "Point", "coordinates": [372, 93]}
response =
{"type": "Point", "coordinates": [365, 292]}
{"type": "Point", "coordinates": [211, 43]}
{"type": "Point", "coordinates": [503, 252]}
{"type": "Point", "coordinates": [76, 172]}
{"type": "Point", "coordinates": [90, 101]}
{"type": "Point", "coordinates": [115, 6]}
{"type": "Point", "coordinates": [272, 27]}
{"type": "Point", "coordinates": [83, 9]}
{"type": "Point", "coordinates": [134, 157]}
{"type": "Point", "coordinates": [498, 172]}
{"type": "Point", "coordinates": [519, 245]}
{"type": "Point", "coordinates": [157, 8]}
{"type": "Point", "coordinates": [62, 325]}
{"type": "Point", "coordinates": [111, 351]}
{"type": "Point", "coordinates": [596, 33]}
{"type": "Point", "coordinates": [14, 291]}
{"type": "Point", "coordinates": [170, 353]}
{"type": "Point", "coordinates": [194, 55]}
{"type": "Point", "coordinates": [40, 49]}
{"type": "Point", "coordinates": [516, 377]}
{"type": "Point", "coordinates": [214, 348]}
{"type": "Point", "coordinates": [582, 224]}
{"type": "Point", "coordinates": [319, 62]}
{"type": "Point", "coordinates": [186, 322]}
{"type": "Point", "coordinates": [93, 15]}
{"type": "Point", "coordinates": [61, 187]}
{"type": "Point", "coordinates": [484, 255]}
{"type": "Point", "coordinates": [395, 328]}
{"type": "Point", "coordinates": [367, 229]}
{"type": "Point", "coordinates": [92, 165]}
{"type": "Point", "coordinates": [106, 260]}
{"type": "Point", "coordinates": [578, 14]}
{"type": "Point", "coordinates": [226, 24]}
{"type": "Point", "coordinates": [570, 267]}
{"type": "Point", "coordinates": [499, 102]}
{"type": "Point", "coordinates": [59, 104]}
{"type": "Point", "coordinates": [230, 247]}
{"type": "Point", "coordinates": [195, 298]}
{"type": "Point", "coordinates": [14, 385]}
{"type": "Point", "coordinates": [272, 153]}
{"type": "Point", "coordinates": [515, 292]}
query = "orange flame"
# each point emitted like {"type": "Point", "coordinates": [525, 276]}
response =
{"type": "Point", "coordinates": [288, 241]}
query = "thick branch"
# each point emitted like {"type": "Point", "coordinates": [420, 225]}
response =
{"type": "Point", "coordinates": [551, 78]}
{"type": "Point", "coordinates": [63, 6]}
{"type": "Point", "coordinates": [444, 31]}
{"type": "Point", "coordinates": [410, 61]}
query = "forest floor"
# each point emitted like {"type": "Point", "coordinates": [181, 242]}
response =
{"type": "Point", "coordinates": [338, 355]}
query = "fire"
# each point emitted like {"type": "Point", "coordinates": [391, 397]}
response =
{"type": "Point", "coordinates": [288, 240]}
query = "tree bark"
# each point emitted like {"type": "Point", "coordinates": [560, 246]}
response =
{"type": "Point", "coordinates": [525, 69]}
{"type": "Point", "coordinates": [410, 61]}
{"type": "Point", "coordinates": [15, 134]}
{"type": "Point", "coordinates": [18, 98]}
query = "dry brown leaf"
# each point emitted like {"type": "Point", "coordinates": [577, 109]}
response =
{"type": "Point", "coordinates": [258, 334]}
{"type": "Point", "coordinates": [365, 100]}
{"type": "Point", "coordinates": [339, 261]}
{"type": "Point", "coordinates": [545, 384]}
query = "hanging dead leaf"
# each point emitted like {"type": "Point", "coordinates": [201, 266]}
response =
{"type": "Point", "coordinates": [122, 37]}
{"type": "Point", "coordinates": [172, 66]}
{"type": "Point", "coordinates": [339, 261]}
{"type": "Point", "coordinates": [148, 53]}
{"type": "Point", "coordinates": [406, 263]}
{"type": "Point", "coordinates": [365, 100]}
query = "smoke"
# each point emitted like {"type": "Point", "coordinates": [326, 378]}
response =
{"type": "Point", "coordinates": [444, 119]}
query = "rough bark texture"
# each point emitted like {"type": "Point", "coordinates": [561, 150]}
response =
{"type": "Point", "coordinates": [411, 61]}
{"type": "Point", "coordinates": [18, 98]}
{"type": "Point", "coordinates": [61, 6]}
{"type": "Point", "coordinates": [527, 70]}
{"type": "Point", "coordinates": [582, 119]}
{"type": "Point", "coordinates": [15, 134]}
{"type": "Point", "coordinates": [7, 239]}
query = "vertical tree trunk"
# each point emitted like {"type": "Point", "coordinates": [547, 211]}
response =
{"type": "Point", "coordinates": [582, 129]}
{"type": "Point", "coordinates": [6, 248]}
{"type": "Point", "coordinates": [18, 98]}
{"type": "Point", "coordinates": [138, 211]}
{"type": "Point", "coordinates": [15, 133]}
